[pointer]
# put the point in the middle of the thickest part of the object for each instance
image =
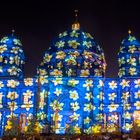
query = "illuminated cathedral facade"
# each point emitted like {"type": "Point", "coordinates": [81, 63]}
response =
{"type": "Point", "coordinates": [70, 89]}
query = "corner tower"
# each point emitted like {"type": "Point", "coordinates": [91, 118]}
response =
{"type": "Point", "coordinates": [129, 57]}
{"type": "Point", "coordinates": [11, 57]}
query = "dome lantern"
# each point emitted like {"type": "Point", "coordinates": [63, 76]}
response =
{"type": "Point", "coordinates": [129, 32]}
{"type": "Point", "coordinates": [76, 24]}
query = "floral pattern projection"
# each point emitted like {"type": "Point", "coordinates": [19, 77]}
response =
{"type": "Point", "coordinates": [129, 57]}
{"type": "Point", "coordinates": [74, 94]}
{"type": "Point", "coordinates": [122, 99]}
{"type": "Point", "coordinates": [70, 93]}
{"type": "Point", "coordinates": [17, 98]}
{"type": "Point", "coordinates": [89, 104]}
{"type": "Point", "coordinates": [11, 57]}
{"type": "Point", "coordinates": [73, 53]}
{"type": "Point", "coordinates": [72, 103]}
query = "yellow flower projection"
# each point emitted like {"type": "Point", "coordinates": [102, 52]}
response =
{"type": "Point", "coordinates": [57, 81]}
{"type": "Point", "coordinates": [74, 34]}
{"type": "Point", "coordinates": [73, 43]}
{"type": "Point", "coordinates": [75, 106]}
{"type": "Point", "coordinates": [12, 83]}
{"type": "Point", "coordinates": [56, 72]}
{"type": "Point", "coordinates": [87, 120]}
{"type": "Point", "coordinates": [125, 83]}
{"type": "Point", "coordinates": [137, 83]}
{"type": "Point", "coordinates": [113, 107]}
{"type": "Point", "coordinates": [74, 95]}
{"type": "Point", "coordinates": [3, 48]}
{"type": "Point", "coordinates": [112, 96]}
{"type": "Point", "coordinates": [57, 92]}
{"type": "Point", "coordinates": [112, 84]}
{"type": "Point", "coordinates": [88, 84]}
{"type": "Point", "coordinates": [75, 116]}
{"type": "Point", "coordinates": [28, 82]}
{"type": "Point", "coordinates": [73, 82]}
{"type": "Point", "coordinates": [60, 44]}
{"type": "Point", "coordinates": [60, 55]}
{"type": "Point", "coordinates": [56, 105]}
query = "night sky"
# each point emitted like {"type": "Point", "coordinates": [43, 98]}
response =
{"type": "Point", "coordinates": [37, 23]}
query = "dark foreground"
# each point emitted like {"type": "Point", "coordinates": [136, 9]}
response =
{"type": "Point", "coordinates": [78, 137]}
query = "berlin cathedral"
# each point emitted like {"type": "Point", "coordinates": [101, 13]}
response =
{"type": "Point", "coordinates": [70, 89]}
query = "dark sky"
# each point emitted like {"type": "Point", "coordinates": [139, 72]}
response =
{"type": "Point", "coordinates": [38, 22]}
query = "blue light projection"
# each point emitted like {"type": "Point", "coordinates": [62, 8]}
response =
{"type": "Point", "coordinates": [11, 57]}
{"type": "Point", "coordinates": [73, 53]}
{"type": "Point", "coordinates": [129, 57]}
{"type": "Point", "coordinates": [70, 92]}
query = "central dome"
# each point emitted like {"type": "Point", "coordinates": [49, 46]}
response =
{"type": "Point", "coordinates": [73, 53]}
{"type": "Point", "coordinates": [74, 40]}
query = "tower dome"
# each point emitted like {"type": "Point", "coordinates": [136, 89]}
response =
{"type": "Point", "coordinates": [129, 57]}
{"type": "Point", "coordinates": [11, 57]}
{"type": "Point", "coordinates": [73, 53]}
